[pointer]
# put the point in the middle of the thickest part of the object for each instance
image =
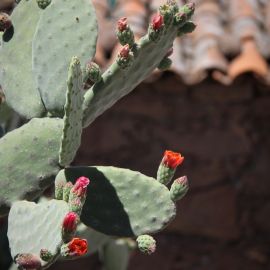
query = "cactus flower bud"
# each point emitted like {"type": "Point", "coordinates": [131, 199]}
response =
{"type": "Point", "coordinates": [156, 27]}
{"type": "Point", "coordinates": [179, 188]}
{"type": "Point", "coordinates": [76, 247]}
{"type": "Point", "coordinates": [5, 22]}
{"type": "Point", "coordinates": [76, 205]}
{"type": "Point", "coordinates": [122, 24]}
{"type": "Point", "coordinates": [165, 64]}
{"type": "Point", "coordinates": [59, 187]}
{"type": "Point", "coordinates": [125, 56]}
{"type": "Point", "coordinates": [45, 255]}
{"type": "Point", "coordinates": [66, 191]}
{"type": "Point", "coordinates": [157, 21]}
{"type": "Point", "coordinates": [80, 186]}
{"type": "Point", "coordinates": [124, 52]}
{"type": "Point", "coordinates": [124, 34]}
{"type": "Point", "coordinates": [92, 72]}
{"type": "Point", "coordinates": [70, 223]}
{"type": "Point", "coordinates": [28, 261]}
{"type": "Point", "coordinates": [188, 9]}
{"type": "Point", "coordinates": [180, 19]}
{"type": "Point", "coordinates": [146, 244]}
{"type": "Point", "coordinates": [168, 166]}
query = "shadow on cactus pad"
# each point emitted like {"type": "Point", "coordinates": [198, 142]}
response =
{"type": "Point", "coordinates": [121, 202]}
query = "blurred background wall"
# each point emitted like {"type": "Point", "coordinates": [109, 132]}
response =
{"type": "Point", "coordinates": [213, 106]}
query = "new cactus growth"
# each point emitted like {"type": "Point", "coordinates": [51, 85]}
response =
{"type": "Point", "coordinates": [38, 154]}
{"type": "Point", "coordinates": [146, 244]}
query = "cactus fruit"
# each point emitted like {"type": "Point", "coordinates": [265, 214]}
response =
{"type": "Point", "coordinates": [168, 166]}
{"type": "Point", "coordinates": [179, 188]}
{"type": "Point", "coordinates": [146, 244]}
{"type": "Point", "coordinates": [43, 3]}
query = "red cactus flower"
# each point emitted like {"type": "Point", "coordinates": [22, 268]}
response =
{"type": "Point", "coordinates": [157, 21]}
{"type": "Point", "coordinates": [70, 222]}
{"type": "Point", "coordinates": [122, 24]}
{"type": "Point", "coordinates": [77, 247]}
{"type": "Point", "coordinates": [124, 52]}
{"type": "Point", "coordinates": [80, 186]}
{"type": "Point", "coordinates": [172, 159]}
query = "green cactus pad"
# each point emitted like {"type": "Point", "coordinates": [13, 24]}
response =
{"type": "Point", "coordinates": [66, 28]}
{"type": "Point", "coordinates": [16, 62]}
{"type": "Point", "coordinates": [121, 202]}
{"type": "Point", "coordinates": [32, 227]}
{"type": "Point", "coordinates": [71, 138]}
{"type": "Point", "coordinates": [29, 160]}
{"type": "Point", "coordinates": [117, 82]}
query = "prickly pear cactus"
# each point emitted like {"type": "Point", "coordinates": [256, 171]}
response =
{"type": "Point", "coordinates": [118, 200]}
{"type": "Point", "coordinates": [35, 227]}
{"type": "Point", "coordinates": [35, 57]}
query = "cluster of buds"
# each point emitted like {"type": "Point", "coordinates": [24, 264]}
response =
{"type": "Point", "coordinates": [170, 161]}
{"type": "Point", "coordinates": [5, 22]}
{"type": "Point", "coordinates": [156, 27]}
{"type": "Point", "coordinates": [91, 74]}
{"type": "Point", "coordinates": [125, 57]}
{"type": "Point", "coordinates": [75, 248]}
{"type": "Point", "coordinates": [124, 33]}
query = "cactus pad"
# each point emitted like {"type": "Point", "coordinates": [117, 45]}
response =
{"type": "Point", "coordinates": [122, 202]}
{"type": "Point", "coordinates": [71, 138]}
{"type": "Point", "coordinates": [29, 160]}
{"type": "Point", "coordinates": [16, 62]}
{"type": "Point", "coordinates": [32, 227]}
{"type": "Point", "coordinates": [66, 28]}
{"type": "Point", "coordinates": [117, 82]}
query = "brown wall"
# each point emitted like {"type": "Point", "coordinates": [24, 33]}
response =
{"type": "Point", "coordinates": [223, 132]}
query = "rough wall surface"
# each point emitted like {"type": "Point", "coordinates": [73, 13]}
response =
{"type": "Point", "coordinates": [223, 134]}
